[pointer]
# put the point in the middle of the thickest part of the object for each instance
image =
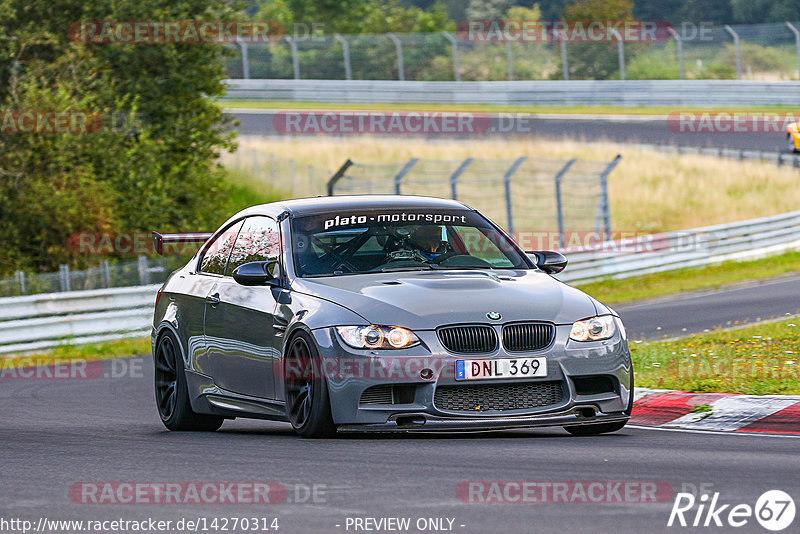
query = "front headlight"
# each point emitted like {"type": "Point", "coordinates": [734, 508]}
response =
{"type": "Point", "coordinates": [377, 337]}
{"type": "Point", "coordinates": [594, 329]}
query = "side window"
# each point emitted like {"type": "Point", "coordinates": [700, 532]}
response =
{"type": "Point", "coordinates": [259, 240]}
{"type": "Point", "coordinates": [215, 257]}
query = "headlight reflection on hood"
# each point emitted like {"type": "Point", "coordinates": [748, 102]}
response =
{"type": "Point", "coordinates": [594, 329]}
{"type": "Point", "coordinates": [377, 337]}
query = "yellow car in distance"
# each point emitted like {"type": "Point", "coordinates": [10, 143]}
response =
{"type": "Point", "coordinates": [793, 135]}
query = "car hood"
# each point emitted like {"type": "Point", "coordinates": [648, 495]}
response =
{"type": "Point", "coordinates": [424, 300]}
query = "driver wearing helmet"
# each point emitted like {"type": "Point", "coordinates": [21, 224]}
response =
{"type": "Point", "coordinates": [428, 239]}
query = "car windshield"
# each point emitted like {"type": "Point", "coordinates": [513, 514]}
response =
{"type": "Point", "coordinates": [383, 241]}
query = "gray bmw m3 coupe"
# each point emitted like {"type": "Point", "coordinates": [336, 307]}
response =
{"type": "Point", "coordinates": [382, 313]}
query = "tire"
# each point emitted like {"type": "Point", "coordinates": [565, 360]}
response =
{"type": "Point", "coordinates": [172, 394]}
{"type": "Point", "coordinates": [603, 428]}
{"type": "Point", "coordinates": [308, 404]}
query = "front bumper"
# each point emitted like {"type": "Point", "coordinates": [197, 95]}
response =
{"type": "Point", "coordinates": [422, 422]}
{"type": "Point", "coordinates": [566, 362]}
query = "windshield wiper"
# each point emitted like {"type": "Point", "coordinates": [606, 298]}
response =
{"type": "Point", "coordinates": [460, 268]}
{"type": "Point", "coordinates": [425, 267]}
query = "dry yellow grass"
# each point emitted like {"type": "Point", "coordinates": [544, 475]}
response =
{"type": "Point", "coordinates": [650, 191]}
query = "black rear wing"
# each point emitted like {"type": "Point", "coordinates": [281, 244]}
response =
{"type": "Point", "coordinates": [159, 240]}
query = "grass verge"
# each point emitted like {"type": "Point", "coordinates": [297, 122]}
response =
{"type": "Point", "coordinates": [612, 291]}
{"type": "Point", "coordinates": [486, 108]}
{"type": "Point", "coordinates": [756, 360]}
{"type": "Point", "coordinates": [650, 191]}
{"type": "Point", "coordinates": [103, 350]}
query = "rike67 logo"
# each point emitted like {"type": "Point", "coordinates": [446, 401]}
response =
{"type": "Point", "coordinates": [774, 510]}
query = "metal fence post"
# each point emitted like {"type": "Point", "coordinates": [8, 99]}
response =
{"type": "Point", "coordinates": [20, 276]}
{"type": "Point", "coordinates": [337, 176]}
{"type": "Point", "coordinates": [454, 45]}
{"type": "Point", "coordinates": [564, 65]}
{"type": "Point", "coordinates": [454, 177]}
{"type": "Point", "coordinates": [63, 277]}
{"type": "Point", "coordinates": [405, 170]}
{"type": "Point", "coordinates": [144, 272]}
{"type": "Point", "coordinates": [679, 45]}
{"type": "Point", "coordinates": [348, 74]}
{"type": "Point", "coordinates": [738, 51]}
{"type": "Point", "coordinates": [295, 57]}
{"type": "Point", "coordinates": [401, 74]}
{"type": "Point", "coordinates": [507, 185]}
{"type": "Point", "coordinates": [604, 207]}
{"type": "Point", "coordinates": [559, 211]}
{"type": "Point", "coordinates": [510, 60]}
{"type": "Point", "coordinates": [620, 52]}
{"type": "Point", "coordinates": [105, 274]}
{"type": "Point", "coordinates": [245, 60]}
{"type": "Point", "coordinates": [796, 33]}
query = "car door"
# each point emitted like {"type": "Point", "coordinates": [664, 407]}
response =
{"type": "Point", "coordinates": [239, 331]}
{"type": "Point", "coordinates": [197, 287]}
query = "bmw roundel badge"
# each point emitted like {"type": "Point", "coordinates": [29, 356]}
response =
{"type": "Point", "coordinates": [494, 316]}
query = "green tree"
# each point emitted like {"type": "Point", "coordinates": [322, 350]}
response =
{"type": "Point", "coordinates": [153, 163]}
{"type": "Point", "coordinates": [595, 60]}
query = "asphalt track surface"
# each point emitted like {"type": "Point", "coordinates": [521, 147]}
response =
{"type": "Point", "coordinates": [260, 122]}
{"type": "Point", "coordinates": [701, 311]}
{"type": "Point", "coordinates": [56, 433]}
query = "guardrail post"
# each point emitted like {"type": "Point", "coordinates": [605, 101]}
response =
{"type": "Point", "coordinates": [337, 176]}
{"type": "Point", "coordinates": [295, 57]}
{"type": "Point", "coordinates": [510, 61]}
{"type": "Point", "coordinates": [20, 276]}
{"type": "Point", "coordinates": [564, 65]}
{"type": "Point", "coordinates": [454, 177]}
{"type": "Point", "coordinates": [405, 170]}
{"type": "Point", "coordinates": [144, 272]}
{"type": "Point", "coordinates": [507, 185]}
{"type": "Point", "coordinates": [454, 45]}
{"type": "Point", "coordinates": [559, 211]}
{"type": "Point", "coordinates": [401, 73]}
{"type": "Point", "coordinates": [348, 75]}
{"type": "Point", "coordinates": [679, 45]}
{"type": "Point", "coordinates": [105, 274]}
{"type": "Point", "coordinates": [620, 52]}
{"type": "Point", "coordinates": [245, 60]}
{"type": "Point", "coordinates": [737, 49]}
{"type": "Point", "coordinates": [796, 33]}
{"type": "Point", "coordinates": [604, 209]}
{"type": "Point", "coordinates": [63, 277]}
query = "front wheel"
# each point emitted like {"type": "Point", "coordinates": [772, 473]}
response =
{"type": "Point", "coordinates": [307, 402]}
{"type": "Point", "coordinates": [172, 394]}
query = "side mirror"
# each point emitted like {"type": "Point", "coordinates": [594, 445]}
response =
{"type": "Point", "coordinates": [255, 273]}
{"type": "Point", "coordinates": [549, 261]}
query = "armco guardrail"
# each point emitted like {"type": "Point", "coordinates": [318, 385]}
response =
{"type": "Point", "coordinates": [526, 93]}
{"type": "Point", "coordinates": [687, 248]}
{"type": "Point", "coordinates": [40, 321]}
{"type": "Point", "coordinates": [50, 319]}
